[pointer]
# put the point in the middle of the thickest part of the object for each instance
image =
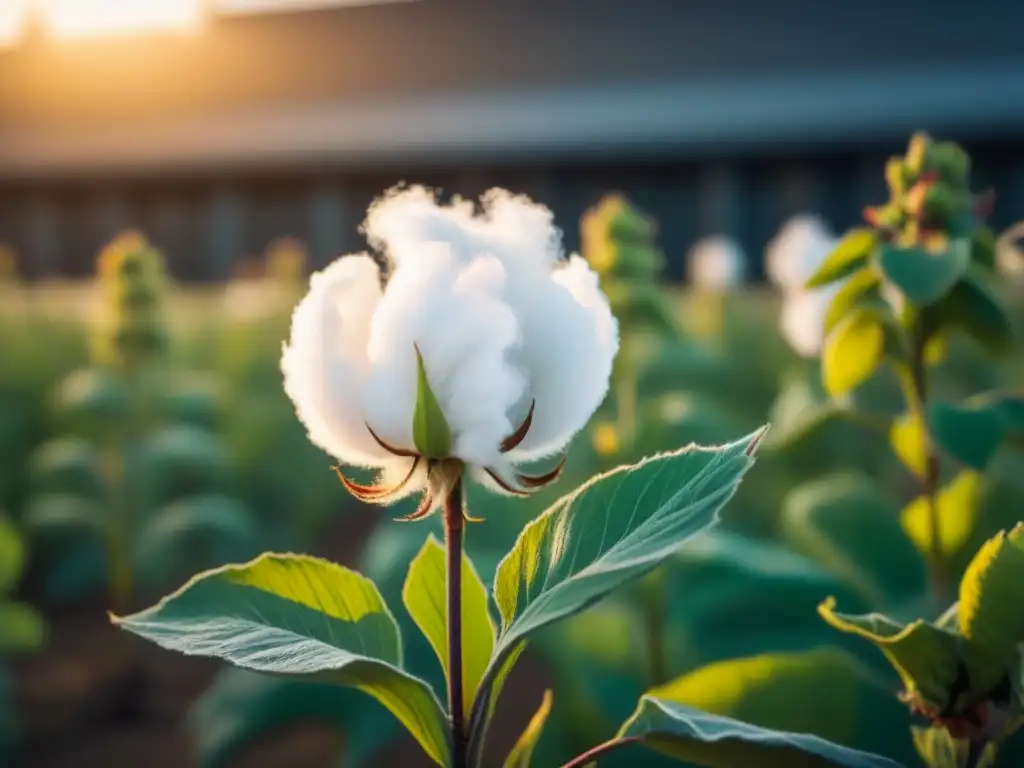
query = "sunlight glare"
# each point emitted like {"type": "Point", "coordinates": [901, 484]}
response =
{"type": "Point", "coordinates": [13, 16]}
{"type": "Point", "coordinates": [87, 18]}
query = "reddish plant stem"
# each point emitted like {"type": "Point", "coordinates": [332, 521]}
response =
{"type": "Point", "coordinates": [453, 531]}
{"type": "Point", "coordinates": [599, 751]}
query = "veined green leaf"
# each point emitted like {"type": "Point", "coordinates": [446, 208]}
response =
{"type": "Point", "coordinates": [925, 277]}
{"type": "Point", "coordinates": [424, 596]}
{"type": "Point", "coordinates": [704, 739]}
{"type": "Point", "coordinates": [991, 608]}
{"type": "Point", "coordinates": [614, 528]}
{"type": "Point", "coordinates": [300, 616]}
{"type": "Point", "coordinates": [522, 752]}
{"type": "Point", "coordinates": [853, 351]}
{"type": "Point", "coordinates": [925, 656]}
{"type": "Point", "coordinates": [12, 556]}
{"type": "Point", "coordinates": [430, 431]}
{"type": "Point", "coordinates": [958, 508]}
{"type": "Point", "coordinates": [850, 254]}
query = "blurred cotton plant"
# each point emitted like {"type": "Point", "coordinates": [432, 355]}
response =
{"type": "Point", "coordinates": [135, 486]}
{"type": "Point", "coordinates": [923, 269]}
{"type": "Point", "coordinates": [478, 347]}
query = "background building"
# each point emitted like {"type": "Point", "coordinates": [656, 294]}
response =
{"type": "Point", "coordinates": [723, 116]}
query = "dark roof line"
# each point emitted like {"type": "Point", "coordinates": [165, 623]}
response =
{"type": "Point", "coordinates": [703, 117]}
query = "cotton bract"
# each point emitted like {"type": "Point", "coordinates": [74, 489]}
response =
{"type": "Point", "coordinates": [515, 341]}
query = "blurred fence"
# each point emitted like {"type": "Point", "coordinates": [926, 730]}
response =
{"type": "Point", "coordinates": [208, 227]}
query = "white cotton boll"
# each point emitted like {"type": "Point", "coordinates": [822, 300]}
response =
{"type": "Point", "coordinates": [499, 316]}
{"type": "Point", "coordinates": [796, 252]}
{"type": "Point", "coordinates": [716, 263]}
{"type": "Point", "coordinates": [568, 334]}
{"type": "Point", "coordinates": [325, 362]}
{"type": "Point", "coordinates": [802, 319]}
{"type": "Point", "coordinates": [456, 317]}
{"type": "Point", "coordinates": [570, 339]}
{"type": "Point", "coordinates": [510, 227]}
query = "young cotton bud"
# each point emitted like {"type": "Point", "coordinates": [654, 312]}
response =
{"type": "Point", "coordinates": [483, 347]}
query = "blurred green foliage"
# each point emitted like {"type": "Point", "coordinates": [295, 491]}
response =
{"type": "Point", "coordinates": [731, 620]}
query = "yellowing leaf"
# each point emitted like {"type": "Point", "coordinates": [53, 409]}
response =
{"type": "Point", "coordinates": [852, 351]}
{"type": "Point", "coordinates": [991, 610]}
{"type": "Point", "coordinates": [850, 254]}
{"type": "Point", "coordinates": [424, 594]}
{"type": "Point", "coordinates": [958, 507]}
{"type": "Point", "coordinates": [861, 288]}
{"type": "Point", "coordinates": [907, 438]}
{"type": "Point", "coordinates": [925, 657]}
{"type": "Point", "coordinates": [522, 753]}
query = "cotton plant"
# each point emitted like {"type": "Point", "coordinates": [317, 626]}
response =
{"type": "Point", "coordinates": [471, 347]}
{"type": "Point", "coordinates": [136, 483]}
{"type": "Point", "coordinates": [922, 270]}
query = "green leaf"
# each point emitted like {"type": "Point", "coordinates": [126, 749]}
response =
{"type": "Point", "coordinates": [743, 596]}
{"type": "Point", "coordinates": [193, 534]}
{"type": "Point", "coordinates": [940, 750]}
{"type": "Point", "coordinates": [925, 657]}
{"type": "Point", "coordinates": [240, 707]}
{"type": "Point", "coordinates": [974, 307]}
{"type": "Point", "coordinates": [850, 526]}
{"type": "Point", "coordinates": [12, 556]}
{"type": "Point", "coordinates": [704, 739]}
{"type": "Point", "coordinates": [853, 351]}
{"type": "Point", "coordinates": [301, 616]}
{"type": "Point", "coordinates": [907, 438]}
{"type": "Point", "coordinates": [771, 690]}
{"type": "Point", "coordinates": [424, 595]}
{"type": "Point", "coordinates": [644, 306]}
{"type": "Point", "coordinates": [850, 254]}
{"type": "Point", "coordinates": [616, 527]}
{"type": "Point", "coordinates": [431, 433]}
{"type": "Point", "coordinates": [924, 277]}
{"type": "Point", "coordinates": [991, 608]}
{"type": "Point", "coordinates": [522, 752]}
{"type": "Point", "coordinates": [21, 628]}
{"type": "Point", "coordinates": [958, 510]}
{"type": "Point", "coordinates": [68, 535]}
{"type": "Point", "coordinates": [801, 407]}
{"type": "Point", "coordinates": [67, 465]}
{"type": "Point", "coordinates": [970, 433]}
{"type": "Point", "coordinates": [863, 287]}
